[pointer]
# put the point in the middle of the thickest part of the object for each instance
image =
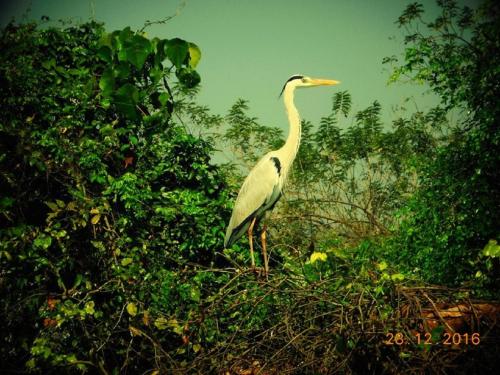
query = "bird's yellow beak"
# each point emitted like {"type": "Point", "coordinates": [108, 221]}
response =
{"type": "Point", "coordinates": [323, 82]}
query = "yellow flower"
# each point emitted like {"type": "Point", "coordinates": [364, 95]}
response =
{"type": "Point", "coordinates": [318, 256]}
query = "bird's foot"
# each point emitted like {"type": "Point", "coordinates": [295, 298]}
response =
{"type": "Point", "coordinates": [259, 271]}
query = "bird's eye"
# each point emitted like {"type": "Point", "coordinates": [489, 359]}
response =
{"type": "Point", "coordinates": [304, 79]}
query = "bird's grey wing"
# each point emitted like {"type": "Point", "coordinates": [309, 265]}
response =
{"type": "Point", "coordinates": [259, 192]}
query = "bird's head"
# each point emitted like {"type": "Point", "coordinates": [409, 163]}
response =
{"type": "Point", "coordinates": [297, 81]}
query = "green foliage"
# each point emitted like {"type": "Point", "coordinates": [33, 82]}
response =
{"type": "Point", "coordinates": [248, 139]}
{"type": "Point", "coordinates": [105, 200]}
{"type": "Point", "coordinates": [112, 216]}
{"type": "Point", "coordinates": [457, 208]}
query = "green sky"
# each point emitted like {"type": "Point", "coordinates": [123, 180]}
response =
{"type": "Point", "coordinates": [250, 48]}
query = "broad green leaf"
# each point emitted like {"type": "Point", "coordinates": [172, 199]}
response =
{"type": "Point", "coordinates": [177, 51]}
{"type": "Point", "coordinates": [137, 50]}
{"type": "Point", "coordinates": [125, 99]}
{"type": "Point", "coordinates": [133, 140]}
{"type": "Point", "coordinates": [130, 91]}
{"type": "Point", "coordinates": [124, 35]}
{"type": "Point", "coordinates": [106, 40]}
{"type": "Point", "coordinates": [78, 281]}
{"type": "Point", "coordinates": [194, 55]}
{"type": "Point", "coordinates": [106, 103]}
{"type": "Point", "coordinates": [126, 261]}
{"type": "Point", "coordinates": [107, 82]}
{"type": "Point", "coordinates": [105, 54]}
{"type": "Point", "coordinates": [43, 241]}
{"type": "Point", "coordinates": [159, 49]}
{"type": "Point", "coordinates": [155, 74]}
{"type": "Point", "coordinates": [163, 98]}
{"type": "Point", "coordinates": [122, 70]}
{"type": "Point", "coordinates": [122, 55]}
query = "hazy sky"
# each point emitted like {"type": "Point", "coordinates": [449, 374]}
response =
{"type": "Point", "coordinates": [249, 48]}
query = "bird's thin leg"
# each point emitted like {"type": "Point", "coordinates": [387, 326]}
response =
{"type": "Point", "coordinates": [250, 239]}
{"type": "Point", "coordinates": [264, 249]}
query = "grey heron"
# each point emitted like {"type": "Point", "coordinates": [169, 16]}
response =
{"type": "Point", "coordinates": [263, 186]}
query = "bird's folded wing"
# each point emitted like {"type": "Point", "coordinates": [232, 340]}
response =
{"type": "Point", "coordinates": [260, 189]}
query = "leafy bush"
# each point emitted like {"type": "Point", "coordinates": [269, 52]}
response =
{"type": "Point", "coordinates": [105, 200]}
{"type": "Point", "coordinates": [456, 210]}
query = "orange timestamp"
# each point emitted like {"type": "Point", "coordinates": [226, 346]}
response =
{"type": "Point", "coordinates": [397, 338]}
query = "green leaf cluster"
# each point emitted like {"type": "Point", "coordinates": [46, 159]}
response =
{"type": "Point", "coordinates": [457, 208]}
{"type": "Point", "coordinates": [137, 67]}
{"type": "Point", "coordinates": [102, 193]}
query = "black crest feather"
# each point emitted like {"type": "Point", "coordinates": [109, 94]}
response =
{"type": "Point", "coordinates": [297, 76]}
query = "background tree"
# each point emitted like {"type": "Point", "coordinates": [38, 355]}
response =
{"type": "Point", "coordinates": [456, 211]}
{"type": "Point", "coordinates": [351, 175]}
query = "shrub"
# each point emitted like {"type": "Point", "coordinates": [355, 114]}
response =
{"type": "Point", "coordinates": [105, 200]}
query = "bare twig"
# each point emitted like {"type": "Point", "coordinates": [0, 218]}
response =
{"type": "Point", "coordinates": [163, 21]}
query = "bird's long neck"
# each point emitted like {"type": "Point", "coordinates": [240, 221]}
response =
{"type": "Point", "coordinates": [291, 146]}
